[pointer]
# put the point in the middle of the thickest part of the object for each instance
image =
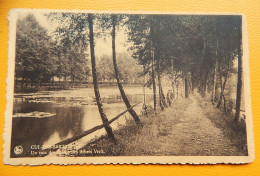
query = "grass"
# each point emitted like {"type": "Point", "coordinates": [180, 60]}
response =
{"type": "Point", "coordinates": [236, 132]}
{"type": "Point", "coordinates": [156, 137]}
{"type": "Point", "coordinates": [126, 140]}
{"type": "Point", "coordinates": [135, 140]}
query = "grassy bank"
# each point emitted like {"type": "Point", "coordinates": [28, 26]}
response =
{"type": "Point", "coordinates": [136, 140]}
{"type": "Point", "coordinates": [235, 132]}
{"type": "Point", "coordinates": [192, 127]}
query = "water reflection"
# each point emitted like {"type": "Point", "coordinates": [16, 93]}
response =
{"type": "Point", "coordinates": [36, 131]}
{"type": "Point", "coordinates": [75, 112]}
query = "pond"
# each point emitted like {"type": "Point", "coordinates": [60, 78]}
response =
{"type": "Point", "coordinates": [43, 119]}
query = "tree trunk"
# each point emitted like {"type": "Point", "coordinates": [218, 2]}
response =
{"type": "Point", "coordinates": [222, 93]}
{"type": "Point", "coordinates": [224, 103]}
{"type": "Point", "coordinates": [208, 86]}
{"type": "Point", "coordinates": [159, 84]}
{"type": "Point", "coordinates": [190, 83]}
{"type": "Point", "coordinates": [239, 74]}
{"type": "Point", "coordinates": [163, 98]}
{"type": "Point", "coordinates": [218, 82]}
{"type": "Point", "coordinates": [192, 87]}
{"type": "Point", "coordinates": [153, 72]}
{"type": "Point", "coordinates": [215, 77]}
{"type": "Point", "coordinates": [186, 82]}
{"type": "Point", "coordinates": [204, 82]}
{"type": "Point", "coordinates": [223, 86]}
{"type": "Point", "coordinates": [95, 82]}
{"type": "Point", "coordinates": [203, 87]}
{"type": "Point", "coordinates": [214, 85]}
{"type": "Point", "coordinates": [121, 89]}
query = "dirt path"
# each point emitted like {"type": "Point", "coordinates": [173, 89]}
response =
{"type": "Point", "coordinates": [182, 129]}
{"type": "Point", "coordinates": [191, 133]}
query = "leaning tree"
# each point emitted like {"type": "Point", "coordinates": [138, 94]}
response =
{"type": "Point", "coordinates": [95, 81]}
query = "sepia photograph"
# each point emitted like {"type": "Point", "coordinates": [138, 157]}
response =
{"type": "Point", "coordinates": [90, 87]}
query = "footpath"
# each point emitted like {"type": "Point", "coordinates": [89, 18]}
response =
{"type": "Point", "coordinates": [182, 129]}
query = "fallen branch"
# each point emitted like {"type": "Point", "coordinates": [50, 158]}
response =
{"type": "Point", "coordinates": [85, 133]}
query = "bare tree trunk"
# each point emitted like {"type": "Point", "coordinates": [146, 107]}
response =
{"type": "Point", "coordinates": [144, 86]}
{"type": "Point", "coordinates": [95, 82]}
{"type": "Point", "coordinates": [222, 92]}
{"type": "Point", "coordinates": [215, 77]}
{"type": "Point", "coordinates": [224, 103]}
{"type": "Point", "coordinates": [191, 88]}
{"type": "Point", "coordinates": [203, 82]}
{"type": "Point", "coordinates": [121, 89]}
{"type": "Point", "coordinates": [223, 86]}
{"type": "Point", "coordinates": [159, 84]}
{"type": "Point", "coordinates": [186, 82]}
{"type": "Point", "coordinates": [218, 83]}
{"type": "Point", "coordinates": [239, 74]}
{"type": "Point", "coordinates": [203, 87]}
{"type": "Point", "coordinates": [153, 72]}
{"type": "Point", "coordinates": [214, 85]}
{"type": "Point", "coordinates": [163, 98]}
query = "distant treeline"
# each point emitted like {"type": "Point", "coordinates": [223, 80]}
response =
{"type": "Point", "coordinates": [43, 58]}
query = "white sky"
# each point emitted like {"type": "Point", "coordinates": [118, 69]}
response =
{"type": "Point", "coordinates": [101, 46]}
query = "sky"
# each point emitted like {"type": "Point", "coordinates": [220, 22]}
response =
{"type": "Point", "coordinates": [102, 47]}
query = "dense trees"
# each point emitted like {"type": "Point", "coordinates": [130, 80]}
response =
{"type": "Point", "coordinates": [127, 66]}
{"type": "Point", "coordinates": [199, 49]}
{"type": "Point", "coordinates": [72, 42]}
{"type": "Point", "coordinates": [34, 51]}
{"type": "Point", "coordinates": [195, 52]}
{"type": "Point", "coordinates": [40, 57]}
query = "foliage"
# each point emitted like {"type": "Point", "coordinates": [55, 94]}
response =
{"type": "Point", "coordinates": [71, 36]}
{"type": "Point", "coordinates": [35, 60]}
{"type": "Point", "coordinates": [197, 51]}
{"type": "Point", "coordinates": [128, 69]}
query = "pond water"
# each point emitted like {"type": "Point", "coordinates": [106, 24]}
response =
{"type": "Point", "coordinates": [43, 119]}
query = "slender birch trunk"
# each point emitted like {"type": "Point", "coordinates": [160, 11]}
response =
{"type": "Point", "coordinates": [95, 82]}
{"type": "Point", "coordinates": [121, 89]}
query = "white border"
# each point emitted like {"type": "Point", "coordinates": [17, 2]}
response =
{"type": "Point", "coordinates": [123, 159]}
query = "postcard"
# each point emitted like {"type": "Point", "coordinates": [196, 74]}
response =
{"type": "Point", "coordinates": [101, 87]}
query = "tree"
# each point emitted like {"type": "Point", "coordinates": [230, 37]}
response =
{"type": "Point", "coordinates": [239, 68]}
{"type": "Point", "coordinates": [112, 21]}
{"type": "Point", "coordinates": [34, 57]}
{"type": "Point", "coordinates": [151, 25]}
{"type": "Point", "coordinates": [121, 89]}
{"type": "Point", "coordinates": [95, 82]}
{"type": "Point", "coordinates": [105, 69]}
{"type": "Point", "coordinates": [199, 49]}
{"type": "Point", "coordinates": [71, 40]}
{"type": "Point", "coordinates": [141, 33]}
{"type": "Point", "coordinates": [127, 67]}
